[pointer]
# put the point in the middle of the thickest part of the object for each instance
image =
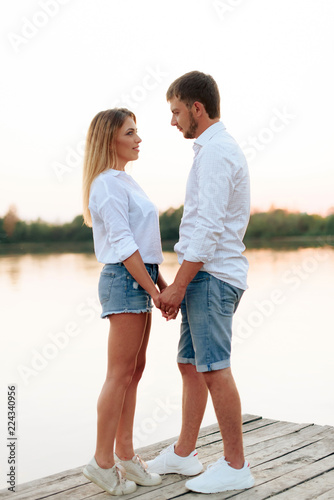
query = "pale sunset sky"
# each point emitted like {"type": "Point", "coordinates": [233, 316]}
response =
{"type": "Point", "coordinates": [63, 61]}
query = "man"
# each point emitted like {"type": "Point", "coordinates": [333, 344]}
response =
{"type": "Point", "coordinates": [210, 282]}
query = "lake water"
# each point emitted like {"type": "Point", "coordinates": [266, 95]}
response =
{"type": "Point", "coordinates": [53, 348]}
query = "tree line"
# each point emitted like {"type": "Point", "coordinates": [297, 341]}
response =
{"type": "Point", "coordinates": [263, 226]}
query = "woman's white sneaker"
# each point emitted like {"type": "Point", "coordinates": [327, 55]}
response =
{"type": "Point", "coordinates": [168, 462]}
{"type": "Point", "coordinates": [110, 480]}
{"type": "Point", "coordinates": [137, 470]}
{"type": "Point", "coordinates": [219, 476]}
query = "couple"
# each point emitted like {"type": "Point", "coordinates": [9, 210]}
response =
{"type": "Point", "coordinates": [208, 288]}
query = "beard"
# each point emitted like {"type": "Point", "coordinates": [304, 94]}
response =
{"type": "Point", "coordinates": [193, 125]}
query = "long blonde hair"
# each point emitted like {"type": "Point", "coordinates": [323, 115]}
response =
{"type": "Point", "coordinates": [100, 150]}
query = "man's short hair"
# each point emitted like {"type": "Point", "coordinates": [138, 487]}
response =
{"type": "Point", "coordinates": [196, 86]}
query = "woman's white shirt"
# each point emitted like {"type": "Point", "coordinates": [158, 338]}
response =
{"type": "Point", "coordinates": [124, 219]}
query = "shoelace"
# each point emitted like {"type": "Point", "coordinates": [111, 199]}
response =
{"type": "Point", "coordinates": [218, 463]}
{"type": "Point", "coordinates": [120, 471]}
{"type": "Point", "coordinates": [165, 450]}
{"type": "Point", "coordinates": [141, 462]}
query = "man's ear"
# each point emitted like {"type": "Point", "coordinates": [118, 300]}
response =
{"type": "Point", "coordinates": [198, 109]}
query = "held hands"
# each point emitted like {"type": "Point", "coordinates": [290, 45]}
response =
{"type": "Point", "coordinates": [169, 300]}
{"type": "Point", "coordinates": [170, 297]}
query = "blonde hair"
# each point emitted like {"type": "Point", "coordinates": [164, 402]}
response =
{"type": "Point", "coordinates": [100, 150]}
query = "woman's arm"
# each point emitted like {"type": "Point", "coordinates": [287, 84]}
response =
{"type": "Point", "coordinates": [161, 282]}
{"type": "Point", "coordinates": [138, 271]}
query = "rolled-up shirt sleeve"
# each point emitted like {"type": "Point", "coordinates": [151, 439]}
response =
{"type": "Point", "coordinates": [214, 175]}
{"type": "Point", "coordinates": [114, 211]}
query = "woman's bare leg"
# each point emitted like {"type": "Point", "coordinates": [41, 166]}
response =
{"type": "Point", "coordinates": [126, 336]}
{"type": "Point", "coordinates": [124, 435]}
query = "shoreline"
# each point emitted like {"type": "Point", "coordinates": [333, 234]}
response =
{"type": "Point", "coordinates": [287, 243]}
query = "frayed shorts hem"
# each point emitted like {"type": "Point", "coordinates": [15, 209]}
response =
{"type": "Point", "coordinates": [120, 293]}
{"type": "Point", "coordinates": [106, 314]}
{"type": "Point", "coordinates": [218, 365]}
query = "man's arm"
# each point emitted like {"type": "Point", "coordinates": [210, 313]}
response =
{"type": "Point", "coordinates": [172, 296]}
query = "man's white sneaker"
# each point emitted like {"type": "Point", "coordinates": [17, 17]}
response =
{"type": "Point", "coordinates": [219, 476]}
{"type": "Point", "coordinates": [136, 470]}
{"type": "Point", "coordinates": [110, 480]}
{"type": "Point", "coordinates": [168, 462]}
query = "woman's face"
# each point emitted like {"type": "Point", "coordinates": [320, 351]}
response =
{"type": "Point", "coordinates": [127, 143]}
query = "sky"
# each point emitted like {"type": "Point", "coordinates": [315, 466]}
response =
{"type": "Point", "coordinates": [63, 61]}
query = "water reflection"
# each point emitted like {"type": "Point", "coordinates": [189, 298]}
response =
{"type": "Point", "coordinates": [54, 349]}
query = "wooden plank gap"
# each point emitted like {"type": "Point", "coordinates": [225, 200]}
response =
{"type": "Point", "coordinates": [209, 444]}
{"type": "Point", "coordinates": [292, 451]}
{"type": "Point", "coordinates": [325, 456]}
{"type": "Point", "coordinates": [301, 482]}
{"type": "Point", "coordinates": [245, 431]}
{"type": "Point", "coordinates": [180, 495]}
{"type": "Point", "coordinates": [252, 419]}
{"type": "Point", "coordinates": [64, 491]}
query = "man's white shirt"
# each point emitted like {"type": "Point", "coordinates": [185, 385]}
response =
{"type": "Point", "coordinates": [217, 208]}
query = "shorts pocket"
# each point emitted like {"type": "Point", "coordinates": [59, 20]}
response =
{"type": "Point", "coordinates": [105, 284]}
{"type": "Point", "coordinates": [200, 277]}
{"type": "Point", "coordinates": [229, 298]}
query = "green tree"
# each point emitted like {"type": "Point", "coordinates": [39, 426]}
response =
{"type": "Point", "coordinates": [170, 223]}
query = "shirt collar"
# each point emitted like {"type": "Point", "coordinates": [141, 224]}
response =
{"type": "Point", "coordinates": [207, 135]}
{"type": "Point", "coordinates": [113, 172]}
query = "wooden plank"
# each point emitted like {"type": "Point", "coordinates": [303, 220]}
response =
{"type": "Point", "coordinates": [276, 475]}
{"type": "Point", "coordinates": [205, 442]}
{"type": "Point", "coordinates": [310, 489]}
{"type": "Point", "coordinates": [285, 484]}
{"type": "Point", "coordinates": [45, 486]}
{"type": "Point", "coordinates": [282, 446]}
{"type": "Point", "coordinates": [191, 495]}
{"type": "Point", "coordinates": [269, 432]}
{"type": "Point", "coordinates": [166, 492]}
{"type": "Point", "coordinates": [277, 446]}
{"type": "Point", "coordinates": [151, 451]}
{"type": "Point", "coordinates": [329, 495]}
{"type": "Point", "coordinates": [288, 461]}
{"type": "Point", "coordinates": [68, 481]}
{"type": "Point", "coordinates": [277, 485]}
{"type": "Point", "coordinates": [258, 424]}
{"type": "Point", "coordinates": [247, 427]}
{"type": "Point", "coordinates": [306, 434]}
{"type": "Point", "coordinates": [286, 476]}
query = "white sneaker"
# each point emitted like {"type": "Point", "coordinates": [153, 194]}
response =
{"type": "Point", "coordinates": [136, 470]}
{"type": "Point", "coordinates": [219, 476]}
{"type": "Point", "coordinates": [110, 480]}
{"type": "Point", "coordinates": [168, 462]}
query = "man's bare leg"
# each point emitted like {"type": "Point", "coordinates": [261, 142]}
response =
{"type": "Point", "coordinates": [194, 399]}
{"type": "Point", "coordinates": [226, 402]}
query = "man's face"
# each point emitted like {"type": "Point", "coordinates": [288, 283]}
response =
{"type": "Point", "coordinates": [183, 118]}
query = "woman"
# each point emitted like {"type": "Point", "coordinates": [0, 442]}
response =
{"type": "Point", "coordinates": [127, 240]}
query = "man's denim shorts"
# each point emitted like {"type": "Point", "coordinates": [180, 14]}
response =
{"type": "Point", "coordinates": [206, 327]}
{"type": "Point", "coordinates": [120, 293]}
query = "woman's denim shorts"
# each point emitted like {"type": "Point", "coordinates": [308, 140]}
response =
{"type": "Point", "coordinates": [206, 328]}
{"type": "Point", "coordinates": [120, 293]}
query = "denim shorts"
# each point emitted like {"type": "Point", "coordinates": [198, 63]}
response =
{"type": "Point", "coordinates": [120, 293]}
{"type": "Point", "coordinates": [206, 327]}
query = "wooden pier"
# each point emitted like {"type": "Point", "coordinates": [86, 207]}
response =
{"type": "Point", "coordinates": [289, 461]}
